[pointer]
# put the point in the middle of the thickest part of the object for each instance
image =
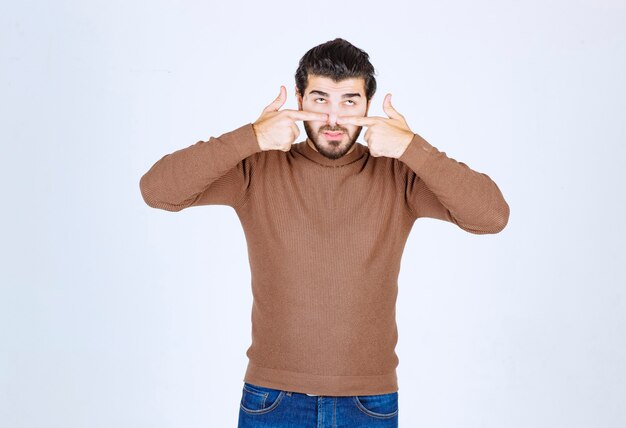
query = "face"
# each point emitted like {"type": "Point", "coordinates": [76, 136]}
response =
{"type": "Point", "coordinates": [345, 98]}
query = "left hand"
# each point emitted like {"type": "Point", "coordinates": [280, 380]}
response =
{"type": "Point", "coordinates": [385, 136]}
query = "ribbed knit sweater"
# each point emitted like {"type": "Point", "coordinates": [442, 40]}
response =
{"type": "Point", "coordinates": [325, 239]}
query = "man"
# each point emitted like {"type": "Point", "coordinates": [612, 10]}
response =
{"type": "Point", "coordinates": [326, 221]}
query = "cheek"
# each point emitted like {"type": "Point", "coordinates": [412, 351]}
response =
{"type": "Point", "coordinates": [313, 107]}
{"type": "Point", "coordinates": [351, 128]}
{"type": "Point", "coordinates": [314, 126]}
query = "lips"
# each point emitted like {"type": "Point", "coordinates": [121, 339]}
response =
{"type": "Point", "coordinates": [333, 135]}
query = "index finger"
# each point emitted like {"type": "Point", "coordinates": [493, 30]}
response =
{"type": "Point", "coordinates": [356, 120]}
{"type": "Point", "coordinates": [306, 115]}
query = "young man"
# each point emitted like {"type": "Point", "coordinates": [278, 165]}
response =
{"type": "Point", "coordinates": [326, 221]}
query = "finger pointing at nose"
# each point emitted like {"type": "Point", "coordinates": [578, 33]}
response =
{"type": "Point", "coordinates": [356, 120]}
{"type": "Point", "coordinates": [307, 115]}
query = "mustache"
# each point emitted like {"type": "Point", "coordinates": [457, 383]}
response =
{"type": "Point", "coordinates": [345, 131]}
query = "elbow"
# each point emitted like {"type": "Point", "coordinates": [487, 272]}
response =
{"type": "Point", "coordinates": [501, 218]}
{"type": "Point", "coordinates": [499, 215]}
{"type": "Point", "coordinates": [145, 193]}
{"type": "Point", "coordinates": [497, 221]}
{"type": "Point", "coordinates": [151, 200]}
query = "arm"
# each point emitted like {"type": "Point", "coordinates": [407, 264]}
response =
{"type": "Point", "coordinates": [440, 187]}
{"type": "Point", "coordinates": [216, 171]}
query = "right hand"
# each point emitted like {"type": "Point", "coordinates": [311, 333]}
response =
{"type": "Point", "coordinates": [277, 130]}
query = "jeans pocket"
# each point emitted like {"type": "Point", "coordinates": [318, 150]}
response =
{"type": "Point", "coordinates": [257, 399]}
{"type": "Point", "coordinates": [378, 406]}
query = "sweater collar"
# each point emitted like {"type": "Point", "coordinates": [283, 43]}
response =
{"type": "Point", "coordinates": [310, 153]}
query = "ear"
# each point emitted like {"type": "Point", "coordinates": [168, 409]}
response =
{"type": "Point", "coordinates": [299, 98]}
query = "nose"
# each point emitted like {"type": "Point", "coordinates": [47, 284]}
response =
{"type": "Point", "coordinates": [333, 113]}
{"type": "Point", "coordinates": [332, 118]}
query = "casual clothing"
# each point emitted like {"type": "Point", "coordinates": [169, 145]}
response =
{"type": "Point", "coordinates": [268, 407]}
{"type": "Point", "coordinates": [325, 240]}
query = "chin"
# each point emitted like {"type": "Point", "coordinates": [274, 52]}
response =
{"type": "Point", "coordinates": [331, 150]}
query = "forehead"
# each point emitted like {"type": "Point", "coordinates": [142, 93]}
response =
{"type": "Point", "coordinates": [326, 84]}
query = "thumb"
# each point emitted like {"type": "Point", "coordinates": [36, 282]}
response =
{"type": "Point", "coordinates": [389, 109]}
{"type": "Point", "coordinates": [279, 101]}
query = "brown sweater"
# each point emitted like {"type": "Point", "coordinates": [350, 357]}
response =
{"type": "Point", "coordinates": [325, 238]}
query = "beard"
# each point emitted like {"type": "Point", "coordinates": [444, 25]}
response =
{"type": "Point", "coordinates": [331, 149]}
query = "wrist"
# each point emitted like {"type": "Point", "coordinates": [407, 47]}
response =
{"type": "Point", "coordinates": [406, 142]}
{"type": "Point", "coordinates": [259, 137]}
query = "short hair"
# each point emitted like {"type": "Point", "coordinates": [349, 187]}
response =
{"type": "Point", "coordinates": [337, 59]}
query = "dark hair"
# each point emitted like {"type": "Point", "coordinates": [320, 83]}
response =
{"type": "Point", "coordinates": [339, 60]}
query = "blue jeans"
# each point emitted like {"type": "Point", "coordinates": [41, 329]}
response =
{"type": "Point", "coordinates": [263, 407]}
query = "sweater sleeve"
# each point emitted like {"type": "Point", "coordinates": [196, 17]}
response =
{"type": "Point", "coordinates": [438, 186]}
{"type": "Point", "coordinates": [215, 172]}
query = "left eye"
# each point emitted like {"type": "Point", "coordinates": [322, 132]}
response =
{"type": "Point", "coordinates": [348, 101]}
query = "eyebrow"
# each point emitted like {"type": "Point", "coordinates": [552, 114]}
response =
{"type": "Point", "coordinates": [324, 94]}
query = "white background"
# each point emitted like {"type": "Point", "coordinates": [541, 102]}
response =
{"type": "Point", "coordinates": [114, 314]}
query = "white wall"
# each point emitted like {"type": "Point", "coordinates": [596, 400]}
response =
{"type": "Point", "coordinates": [114, 314]}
